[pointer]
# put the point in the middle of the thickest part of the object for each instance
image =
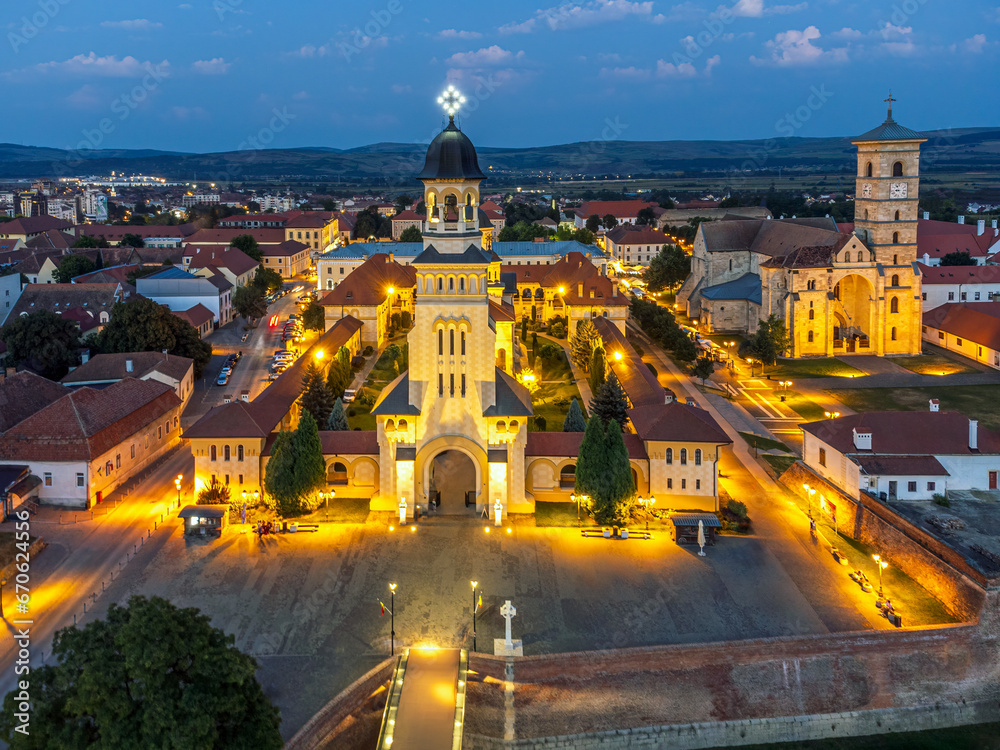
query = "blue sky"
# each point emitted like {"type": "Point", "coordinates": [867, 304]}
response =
{"type": "Point", "coordinates": [214, 75]}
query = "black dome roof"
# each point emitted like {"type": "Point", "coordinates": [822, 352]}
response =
{"type": "Point", "coordinates": [451, 156]}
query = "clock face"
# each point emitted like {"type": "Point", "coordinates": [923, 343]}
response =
{"type": "Point", "coordinates": [897, 190]}
{"type": "Point", "coordinates": [866, 190]}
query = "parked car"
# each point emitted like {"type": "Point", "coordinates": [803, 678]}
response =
{"type": "Point", "coordinates": [349, 395]}
{"type": "Point", "coordinates": [245, 337]}
{"type": "Point", "coordinates": [236, 356]}
{"type": "Point", "coordinates": [223, 378]}
{"type": "Point", "coordinates": [284, 358]}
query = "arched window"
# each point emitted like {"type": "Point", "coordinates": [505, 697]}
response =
{"type": "Point", "coordinates": [501, 426]}
{"type": "Point", "coordinates": [670, 456]}
{"type": "Point", "coordinates": [812, 315]}
{"type": "Point", "coordinates": [811, 284]}
{"type": "Point", "coordinates": [451, 283]}
{"type": "Point", "coordinates": [894, 333]}
{"type": "Point", "coordinates": [212, 454]}
{"type": "Point", "coordinates": [836, 291]}
{"type": "Point", "coordinates": [895, 279]}
{"type": "Point", "coordinates": [895, 238]}
{"type": "Point", "coordinates": [897, 169]}
{"type": "Point", "coordinates": [868, 170]}
{"type": "Point", "coordinates": [567, 477]}
{"type": "Point", "coordinates": [440, 341]}
{"type": "Point", "coordinates": [697, 456]}
{"type": "Point", "coordinates": [461, 284]}
{"type": "Point", "coordinates": [809, 338]}
{"type": "Point", "coordinates": [894, 305]}
{"type": "Point", "coordinates": [463, 343]}
{"type": "Point", "coordinates": [226, 455]}
{"type": "Point", "coordinates": [684, 456]}
{"type": "Point", "coordinates": [401, 425]}
{"type": "Point", "coordinates": [440, 283]}
{"type": "Point", "coordinates": [390, 425]}
{"type": "Point", "coordinates": [514, 426]}
{"type": "Point", "coordinates": [337, 473]}
{"type": "Point", "coordinates": [897, 216]}
{"type": "Point", "coordinates": [451, 341]}
{"type": "Point", "coordinates": [239, 452]}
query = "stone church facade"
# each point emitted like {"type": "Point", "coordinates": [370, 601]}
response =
{"type": "Point", "coordinates": [837, 292]}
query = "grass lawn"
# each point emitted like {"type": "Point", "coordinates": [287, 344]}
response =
{"type": "Point", "coordinates": [763, 443]}
{"type": "Point", "coordinates": [974, 401]}
{"type": "Point", "coordinates": [560, 514]}
{"type": "Point", "coordinates": [933, 364]}
{"type": "Point", "coordinates": [8, 550]}
{"type": "Point", "coordinates": [824, 367]}
{"type": "Point", "coordinates": [544, 402]}
{"type": "Point", "coordinates": [780, 464]}
{"type": "Point", "coordinates": [975, 737]}
{"type": "Point", "coordinates": [341, 510]}
{"type": "Point", "coordinates": [360, 417]}
{"type": "Point", "coordinates": [810, 411]}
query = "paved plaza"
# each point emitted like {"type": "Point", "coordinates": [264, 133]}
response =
{"type": "Point", "coordinates": [307, 605]}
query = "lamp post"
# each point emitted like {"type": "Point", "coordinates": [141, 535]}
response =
{"type": "Point", "coordinates": [3, 582]}
{"type": "Point", "coordinates": [474, 585]}
{"type": "Point", "coordinates": [881, 565]}
{"type": "Point", "coordinates": [809, 493]}
{"type": "Point", "coordinates": [177, 484]}
{"type": "Point", "coordinates": [649, 510]}
{"type": "Point", "coordinates": [392, 619]}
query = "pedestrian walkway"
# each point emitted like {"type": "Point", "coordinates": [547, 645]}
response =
{"type": "Point", "coordinates": [579, 376]}
{"type": "Point", "coordinates": [426, 706]}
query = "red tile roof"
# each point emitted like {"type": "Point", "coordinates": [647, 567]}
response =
{"type": "Point", "coordinates": [308, 221]}
{"type": "Point", "coordinates": [567, 444]}
{"type": "Point", "coordinates": [959, 274]}
{"type": "Point", "coordinates": [25, 393]}
{"type": "Point", "coordinates": [640, 385]}
{"type": "Point", "coordinates": [569, 272]}
{"type": "Point", "coordinates": [912, 466]}
{"type": "Point", "coordinates": [87, 423]}
{"type": "Point", "coordinates": [905, 433]}
{"type": "Point", "coordinates": [107, 367]}
{"type": "Point", "coordinates": [628, 235]}
{"type": "Point", "coordinates": [978, 322]}
{"type": "Point", "coordinates": [354, 442]}
{"type": "Point", "coordinates": [225, 235]}
{"type": "Point", "coordinates": [407, 216]}
{"type": "Point", "coordinates": [368, 283]}
{"type": "Point", "coordinates": [677, 422]}
{"type": "Point", "coordinates": [618, 209]}
{"type": "Point", "coordinates": [286, 249]}
{"type": "Point", "coordinates": [502, 312]}
{"type": "Point", "coordinates": [115, 232]}
{"type": "Point", "coordinates": [196, 316]}
{"type": "Point", "coordinates": [33, 225]}
{"type": "Point", "coordinates": [232, 258]}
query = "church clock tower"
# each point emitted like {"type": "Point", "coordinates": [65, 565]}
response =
{"type": "Point", "coordinates": [888, 182]}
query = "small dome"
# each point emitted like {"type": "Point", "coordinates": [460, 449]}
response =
{"type": "Point", "coordinates": [451, 156]}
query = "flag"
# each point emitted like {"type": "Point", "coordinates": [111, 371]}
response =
{"type": "Point", "coordinates": [384, 608]}
{"type": "Point", "coordinates": [479, 605]}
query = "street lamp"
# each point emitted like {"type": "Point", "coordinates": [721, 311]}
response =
{"type": "Point", "coordinates": [3, 582]}
{"type": "Point", "coordinates": [881, 565]}
{"type": "Point", "coordinates": [177, 484]}
{"type": "Point", "coordinates": [618, 356]}
{"type": "Point", "coordinates": [392, 619]}
{"type": "Point", "coordinates": [832, 414]}
{"type": "Point", "coordinates": [474, 585]}
{"type": "Point", "coordinates": [319, 355]}
{"type": "Point", "coordinates": [809, 493]}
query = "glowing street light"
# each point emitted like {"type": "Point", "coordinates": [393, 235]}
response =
{"type": "Point", "coordinates": [177, 484]}
{"type": "Point", "coordinates": [882, 565]}
{"type": "Point", "coordinates": [562, 290]}
{"type": "Point", "coordinates": [832, 414]}
{"type": "Point", "coordinates": [618, 356]}
{"type": "Point", "coordinates": [3, 582]}
{"type": "Point", "coordinates": [809, 493]}
{"type": "Point", "coordinates": [392, 619]}
{"type": "Point", "coordinates": [319, 354]}
{"type": "Point", "coordinates": [474, 585]}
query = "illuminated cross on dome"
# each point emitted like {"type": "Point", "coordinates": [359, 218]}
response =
{"type": "Point", "coordinates": [451, 100]}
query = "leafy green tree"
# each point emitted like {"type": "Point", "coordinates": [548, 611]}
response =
{"type": "Point", "coordinates": [267, 279]}
{"type": "Point", "coordinates": [958, 258]}
{"type": "Point", "coordinates": [592, 459]}
{"type": "Point", "coordinates": [583, 343]}
{"type": "Point", "coordinates": [613, 502]}
{"type": "Point", "coordinates": [609, 221]}
{"type": "Point", "coordinates": [317, 397]}
{"type": "Point", "coordinates": [598, 369]}
{"type": "Point", "coordinates": [43, 342]}
{"type": "Point", "coordinates": [593, 223]}
{"type": "Point", "coordinates": [248, 245]}
{"type": "Point", "coordinates": [337, 422]}
{"type": "Point", "coordinates": [132, 240]}
{"type": "Point", "coordinates": [574, 421]}
{"type": "Point", "coordinates": [141, 271]}
{"type": "Point", "coordinates": [645, 217]}
{"type": "Point", "coordinates": [310, 468]}
{"type": "Point", "coordinates": [216, 493]}
{"type": "Point", "coordinates": [411, 234]}
{"type": "Point", "coordinates": [149, 675]}
{"type": "Point", "coordinates": [684, 348]}
{"type": "Point", "coordinates": [73, 266]}
{"type": "Point", "coordinates": [142, 325]}
{"type": "Point", "coordinates": [85, 241]}
{"type": "Point", "coordinates": [313, 318]}
{"type": "Point", "coordinates": [340, 375]}
{"type": "Point", "coordinates": [703, 367]}
{"type": "Point", "coordinates": [768, 343]}
{"type": "Point", "coordinates": [581, 235]}
{"type": "Point", "coordinates": [610, 402]}
{"type": "Point", "coordinates": [402, 202]}
{"type": "Point", "coordinates": [522, 231]}
{"type": "Point", "coordinates": [279, 475]}
{"type": "Point", "coordinates": [370, 223]}
{"type": "Point", "coordinates": [671, 266]}
{"type": "Point", "coordinates": [249, 302]}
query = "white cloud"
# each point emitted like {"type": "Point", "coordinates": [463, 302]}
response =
{"type": "Point", "coordinates": [847, 33]}
{"type": "Point", "coordinates": [576, 15]}
{"type": "Point", "coordinates": [609, 57]}
{"type": "Point", "coordinates": [487, 56]}
{"type": "Point", "coordinates": [973, 45]}
{"type": "Point", "coordinates": [630, 73]}
{"type": "Point", "coordinates": [187, 113]}
{"type": "Point", "coordinates": [310, 51]}
{"type": "Point", "coordinates": [757, 9]}
{"type": "Point", "coordinates": [795, 47]}
{"type": "Point", "coordinates": [86, 97]}
{"type": "Point", "coordinates": [139, 24]}
{"type": "Point", "coordinates": [456, 34]}
{"type": "Point", "coordinates": [711, 63]}
{"type": "Point", "coordinates": [889, 31]}
{"type": "Point", "coordinates": [665, 69]}
{"type": "Point", "coordinates": [109, 66]}
{"type": "Point", "coordinates": [214, 67]}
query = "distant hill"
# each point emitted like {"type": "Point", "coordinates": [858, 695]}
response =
{"type": "Point", "coordinates": [381, 163]}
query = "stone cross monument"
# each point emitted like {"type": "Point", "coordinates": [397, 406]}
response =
{"type": "Point", "coordinates": [507, 646]}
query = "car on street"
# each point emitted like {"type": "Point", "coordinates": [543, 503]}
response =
{"type": "Point", "coordinates": [286, 357]}
{"type": "Point", "coordinates": [349, 395]}
{"type": "Point", "coordinates": [223, 378]}
{"type": "Point", "coordinates": [245, 337]}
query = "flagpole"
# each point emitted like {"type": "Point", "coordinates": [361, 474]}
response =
{"type": "Point", "coordinates": [474, 584]}
{"type": "Point", "coordinates": [392, 619]}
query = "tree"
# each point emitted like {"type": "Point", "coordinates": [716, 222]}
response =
{"type": "Point", "coordinates": [267, 279]}
{"type": "Point", "coordinates": [583, 343]}
{"type": "Point", "coordinates": [340, 375]}
{"type": "Point", "coordinates": [216, 493]}
{"type": "Point", "coordinates": [337, 421]}
{"type": "Point", "coordinates": [598, 367]}
{"type": "Point", "coordinates": [142, 325]}
{"type": "Point", "coordinates": [703, 367]}
{"type": "Point", "coordinates": [248, 245]}
{"type": "Point", "coordinates": [768, 343]}
{"type": "Point", "coordinates": [72, 266]}
{"type": "Point", "coordinates": [313, 318]}
{"type": "Point", "coordinates": [668, 268]}
{"type": "Point", "coordinates": [402, 202]}
{"type": "Point", "coordinates": [684, 348]}
{"type": "Point", "coordinates": [645, 217]}
{"type": "Point", "coordinates": [411, 234]}
{"type": "Point", "coordinates": [249, 302]}
{"type": "Point", "coordinates": [132, 240]}
{"type": "Point", "coordinates": [317, 397]}
{"type": "Point", "coordinates": [524, 329]}
{"type": "Point", "coordinates": [279, 475]}
{"type": "Point", "coordinates": [613, 503]}
{"type": "Point", "coordinates": [958, 258]}
{"type": "Point", "coordinates": [43, 342]}
{"type": "Point", "coordinates": [149, 675]}
{"type": "Point", "coordinates": [85, 241]}
{"type": "Point", "coordinates": [609, 221]}
{"type": "Point", "coordinates": [574, 421]}
{"type": "Point", "coordinates": [310, 468]}
{"type": "Point", "coordinates": [591, 461]}
{"type": "Point", "coordinates": [593, 223]}
{"type": "Point", "coordinates": [610, 402]}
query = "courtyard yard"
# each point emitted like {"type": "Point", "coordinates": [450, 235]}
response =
{"type": "Point", "coordinates": [974, 401]}
{"type": "Point", "coordinates": [823, 367]}
{"type": "Point", "coordinates": [935, 363]}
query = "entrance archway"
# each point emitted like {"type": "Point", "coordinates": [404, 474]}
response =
{"type": "Point", "coordinates": [453, 483]}
{"type": "Point", "coordinates": [854, 304]}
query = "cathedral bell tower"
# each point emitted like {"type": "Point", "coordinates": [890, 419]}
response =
{"type": "Point", "coordinates": [888, 182]}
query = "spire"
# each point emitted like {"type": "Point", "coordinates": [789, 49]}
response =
{"type": "Point", "coordinates": [451, 100]}
{"type": "Point", "coordinates": [890, 100]}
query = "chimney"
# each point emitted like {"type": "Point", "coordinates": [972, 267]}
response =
{"type": "Point", "coordinates": [935, 405]}
{"type": "Point", "coordinates": [389, 258]}
{"type": "Point", "coordinates": [128, 365]}
{"type": "Point", "coordinates": [927, 259]}
{"type": "Point", "coordinates": [980, 226]}
{"type": "Point", "coordinates": [164, 352]}
{"type": "Point", "coordinates": [927, 215]}
{"type": "Point", "coordinates": [973, 435]}
{"type": "Point", "coordinates": [961, 219]}
{"type": "Point", "coordinates": [245, 396]}
{"type": "Point", "coordinates": [862, 440]}
{"type": "Point", "coordinates": [579, 289]}
{"type": "Point", "coordinates": [84, 356]}
{"type": "Point", "coordinates": [614, 290]}
{"type": "Point", "coordinates": [227, 398]}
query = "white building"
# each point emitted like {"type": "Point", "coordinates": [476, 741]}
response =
{"type": "Point", "coordinates": [944, 284]}
{"type": "Point", "coordinates": [635, 246]}
{"type": "Point", "coordinates": [179, 290]}
{"type": "Point", "coordinates": [904, 455]}
{"type": "Point", "coordinates": [971, 329]}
